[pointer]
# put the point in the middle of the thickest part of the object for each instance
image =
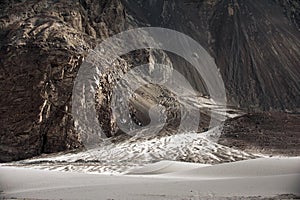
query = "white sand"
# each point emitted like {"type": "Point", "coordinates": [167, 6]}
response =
{"type": "Point", "coordinates": [164, 180]}
{"type": "Point", "coordinates": [164, 167]}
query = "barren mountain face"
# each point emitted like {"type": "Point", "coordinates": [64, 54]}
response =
{"type": "Point", "coordinates": [255, 44]}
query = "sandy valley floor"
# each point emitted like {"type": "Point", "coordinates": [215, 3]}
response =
{"type": "Point", "coordinates": [250, 179]}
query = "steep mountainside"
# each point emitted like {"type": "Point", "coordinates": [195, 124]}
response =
{"type": "Point", "coordinates": [254, 43]}
{"type": "Point", "coordinates": [42, 46]}
{"type": "Point", "coordinates": [256, 46]}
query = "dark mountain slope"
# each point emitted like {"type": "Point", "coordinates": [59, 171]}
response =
{"type": "Point", "coordinates": [254, 44]}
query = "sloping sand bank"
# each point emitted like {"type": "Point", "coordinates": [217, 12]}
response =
{"type": "Point", "coordinates": [265, 177]}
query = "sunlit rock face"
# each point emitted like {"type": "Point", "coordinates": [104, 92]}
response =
{"type": "Point", "coordinates": [255, 44]}
{"type": "Point", "coordinates": [43, 44]}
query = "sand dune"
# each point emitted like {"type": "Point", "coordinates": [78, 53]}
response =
{"type": "Point", "coordinates": [164, 167]}
{"type": "Point", "coordinates": [164, 180]}
{"type": "Point", "coordinates": [247, 168]}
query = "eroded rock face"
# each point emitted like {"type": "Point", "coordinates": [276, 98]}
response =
{"type": "Point", "coordinates": [255, 44]}
{"type": "Point", "coordinates": [42, 46]}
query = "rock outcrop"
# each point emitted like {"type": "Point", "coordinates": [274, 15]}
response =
{"type": "Point", "coordinates": [42, 46]}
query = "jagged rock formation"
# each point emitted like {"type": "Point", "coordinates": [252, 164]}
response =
{"type": "Point", "coordinates": [256, 45]}
{"type": "Point", "coordinates": [42, 46]}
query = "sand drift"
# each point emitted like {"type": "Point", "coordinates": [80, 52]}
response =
{"type": "Point", "coordinates": [264, 177]}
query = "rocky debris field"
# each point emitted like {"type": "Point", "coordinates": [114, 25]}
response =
{"type": "Point", "coordinates": [269, 133]}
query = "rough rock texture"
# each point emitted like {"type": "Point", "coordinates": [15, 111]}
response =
{"type": "Point", "coordinates": [292, 10]}
{"type": "Point", "coordinates": [269, 133]}
{"type": "Point", "coordinates": [256, 45]}
{"type": "Point", "coordinates": [42, 46]}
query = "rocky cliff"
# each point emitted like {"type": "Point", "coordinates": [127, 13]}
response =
{"type": "Point", "coordinates": [42, 46]}
{"type": "Point", "coordinates": [256, 46]}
